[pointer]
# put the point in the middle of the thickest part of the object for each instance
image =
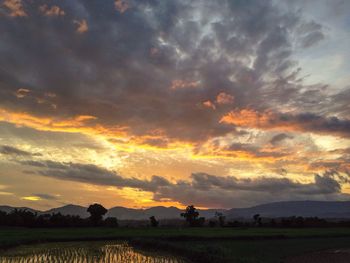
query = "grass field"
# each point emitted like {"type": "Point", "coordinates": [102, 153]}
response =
{"type": "Point", "coordinates": [199, 244]}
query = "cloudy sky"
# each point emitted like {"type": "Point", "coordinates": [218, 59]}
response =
{"type": "Point", "coordinates": [140, 103]}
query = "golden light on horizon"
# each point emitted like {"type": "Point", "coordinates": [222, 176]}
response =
{"type": "Point", "coordinates": [188, 107]}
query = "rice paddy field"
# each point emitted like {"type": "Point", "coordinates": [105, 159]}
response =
{"type": "Point", "coordinates": [198, 244]}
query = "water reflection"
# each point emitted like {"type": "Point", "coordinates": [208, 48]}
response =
{"type": "Point", "coordinates": [83, 252]}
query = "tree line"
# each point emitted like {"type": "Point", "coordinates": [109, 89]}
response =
{"type": "Point", "coordinates": [25, 218]}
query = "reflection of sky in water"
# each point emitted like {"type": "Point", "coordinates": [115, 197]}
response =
{"type": "Point", "coordinates": [84, 252]}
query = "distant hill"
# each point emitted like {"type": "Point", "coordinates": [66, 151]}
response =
{"type": "Point", "coordinates": [279, 209]}
{"type": "Point", "coordinates": [8, 209]}
{"type": "Point", "coordinates": [320, 209]}
{"type": "Point", "coordinates": [64, 210]}
{"type": "Point", "coordinates": [126, 213]}
{"type": "Point", "coordinates": [122, 213]}
{"type": "Point", "coordinates": [160, 212]}
{"type": "Point", "coordinates": [75, 210]}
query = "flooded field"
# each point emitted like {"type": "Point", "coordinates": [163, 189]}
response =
{"type": "Point", "coordinates": [83, 252]}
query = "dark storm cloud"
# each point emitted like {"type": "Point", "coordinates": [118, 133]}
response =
{"type": "Point", "coordinates": [322, 185]}
{"type": "Point", "coordinates": [92, 174]}
{"type": "Point", "coordinates": [342, 105]}
{"type": "Point", "coordinates": [216, 191]}
{"type": "Point", "coordinates": [13, 135]}
{"type": "Point", "coordinates": [156, 142]}
{"type": "Point", "coordinates": [202, 188]}
{"type": "Point", "coordinates": [238, 149]}
{"type": "Point", "coordinates": [308, 122]}
{"type": "Point", "coordinates": [254, 150]}
{"type": "Point", "coordinates": [340, 164]}
{"type": "Point", "coordinates": [279, 138]}
{"type": "Point", "coordinates": [46, 196]}
{"type": "Point", "coordinates": [10, 150]}
{"type": "Point", "coordinates": [314, 123]}
{"type": "Point", "coordinates": [121, 66]}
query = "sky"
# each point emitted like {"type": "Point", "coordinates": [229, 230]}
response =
{"type": "Point", "coordinates": [218, 104]}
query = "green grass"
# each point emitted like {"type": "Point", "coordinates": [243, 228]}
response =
{"type": "Point", "coordinates": [199, 244]}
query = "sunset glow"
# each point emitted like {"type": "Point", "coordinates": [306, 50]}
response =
{"type": "Point", "coordinates": [169, 103]}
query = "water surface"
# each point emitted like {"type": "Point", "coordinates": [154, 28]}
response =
{"type": "Point", "coordinates": [84, 252]}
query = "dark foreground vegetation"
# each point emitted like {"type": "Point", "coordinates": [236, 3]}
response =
{"type": "Point", "coordinates": [197, 244]}
{"type": "Point", "coordinates": [25, 218]}
{"type": "Point", "coordinates": [199, 240]}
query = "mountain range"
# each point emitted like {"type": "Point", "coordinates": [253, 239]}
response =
{"type": "Point", "coordinates": [321, 209]}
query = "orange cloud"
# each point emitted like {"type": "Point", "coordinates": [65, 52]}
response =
{"type": "Point", "coordinates": [209, 104]}
{"type": "Point", "coordinates": [244, 153]}
{"type": "Point", "coordinates": [181, 84]}
{"type": "Point", "coordinates": [340, 165]}
{"type": "Point", "coordinates": [305, 122]}
{"type": "Point", "coordinates": [51, 11]}
{"type": "Point", "coordinates": [80, 123]}
{"type": "Point", "coordinates": [121, 139]}
{"type": "Point", "coordinates": [82, 26]}
{"type": "Point", "coordinates": [247, 118]}
{"type": "Point", "coordinates": [224, 98]}
{"type": "Point", "coordinates": [157, 141]}
{"type": "Point", "coordinates": [21, 93]}
{"type": "Point", "coordinates": [87, 124]}
{"type": "Point", "coordinates": [121, 5]}
{"type": "Point", "coordinates": [15, 8]}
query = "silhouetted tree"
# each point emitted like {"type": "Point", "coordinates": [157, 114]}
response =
{"type": "Point", "coordinates": [154, 222]}
{"type": "Point", "coordinates": [57, 219]}
{"type": "Point", "coordinates": [19, 217]}
{"type": "Point", "coordinates": [26, 218]}
{"type": "Point", "coordinates": [3, 218]}
{"type": "Point", "coordinates": [257, 220]}
{"type": "Point", "coordinates": [191, 216]}
{"type": "Point", "coordinates": [111, 222]}
{"type": "Point", "coordinates": [96, 211]}
{"type": "Point", "coordinates": [221, 218]}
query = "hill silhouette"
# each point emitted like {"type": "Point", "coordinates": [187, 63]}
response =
{"type": "Point", "coordinates": [321, 209]}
